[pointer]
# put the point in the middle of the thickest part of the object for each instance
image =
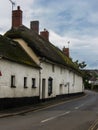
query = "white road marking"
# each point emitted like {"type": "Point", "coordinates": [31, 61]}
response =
{"type": "Point", "coordinates": [54, 117]}
{"type": "Point", "coordinates": [60, 103]}
{"type": "Point", "coordinates": [79, 106]}
{"type": "Point", "coordinates": [76, 108]}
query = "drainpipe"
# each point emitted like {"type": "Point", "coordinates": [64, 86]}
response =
{"type": "Point", "coordinates": [40, 81]}
{"type": "Point", "coordinates": [40, 76]}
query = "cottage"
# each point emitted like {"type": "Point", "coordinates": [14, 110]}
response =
{"type": "Point", "coordinates": [59, 75]}
{"type": "Point", "coordinates": [19, 82]}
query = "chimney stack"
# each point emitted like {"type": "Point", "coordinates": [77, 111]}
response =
{"type": "Point", "coordinates": [34, 25]}
{"type": "Point", "coordinates": [17, 17]}
{"type": "Point", "coordinates": [66, 51]}
{"type": "Point", "coordinates": [45, 34]}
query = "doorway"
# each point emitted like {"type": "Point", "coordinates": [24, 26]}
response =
{"type": "Point", "coordinates": [43, 88]}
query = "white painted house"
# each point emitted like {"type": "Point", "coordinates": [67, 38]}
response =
{"type": "Point", "coordinates": [32, 68]}
{"type": "Point", "coordinates": [19, 75]}
{"type": "Point", "coordinates": [59, 75]}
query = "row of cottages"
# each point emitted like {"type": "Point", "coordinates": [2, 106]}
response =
{"type": "Point", "coordinates": [32, 68]}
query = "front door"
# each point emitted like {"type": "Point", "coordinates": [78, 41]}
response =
{"type": "Point", "coordinates": [43, 88]}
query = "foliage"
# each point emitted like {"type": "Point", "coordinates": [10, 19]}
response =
{"type": "Point", "coordinates": [86, 74]}
{"type": "Point", "coordinates": [81, 65]}
{"type": "Point", "coordinates": [86, 77]}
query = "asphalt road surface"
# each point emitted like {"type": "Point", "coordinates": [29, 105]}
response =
{"type": "Point", "coordinates": [76, 114]}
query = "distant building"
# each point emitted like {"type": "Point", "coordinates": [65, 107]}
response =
{"type": "Point", "coordinates": [93, 76]}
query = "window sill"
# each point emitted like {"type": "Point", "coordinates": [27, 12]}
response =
{"type": "Point", "coordinates": [25, 87]}
{"type": "Point", "coordinates": [34, 87]}
{"type": "Point", "coordinates": [13, 86]}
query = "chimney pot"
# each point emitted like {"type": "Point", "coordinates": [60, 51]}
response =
{"type": "Point", "coordinates": [18, 7]}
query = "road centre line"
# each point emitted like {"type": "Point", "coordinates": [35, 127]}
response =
{"type": "Point", "coordinates": [54, 117]}
{"type": "Point", "coordinates": [62, 102]}
{"type": "Point", "coordinates": [79, 106]}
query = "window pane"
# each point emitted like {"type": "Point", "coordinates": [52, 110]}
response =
{"type": "Point", "coordinates": [50, 86]}
{"type": "Point", "coordinates": [33, 82]}
{"type": "Point", "coordinates": [25, 82]}
{"type": "Point", "coordinates": [12, 81]}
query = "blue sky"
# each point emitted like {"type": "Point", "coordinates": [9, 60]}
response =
{"type": "Point", "coordinates": [66, 20]}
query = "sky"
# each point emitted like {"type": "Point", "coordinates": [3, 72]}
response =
{"type": "Point", "coordinates": [71, 23]}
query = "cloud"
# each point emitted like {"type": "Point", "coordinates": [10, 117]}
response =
{"type": "Point", "coordinates": [67, 20]}
{"type": "Point", "coordinates": [82, 49]}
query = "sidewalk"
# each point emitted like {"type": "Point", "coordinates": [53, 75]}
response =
{"type": "Point", "coordinates": [41, 105]}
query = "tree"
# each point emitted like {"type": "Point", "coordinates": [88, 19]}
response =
{"type": "Point", "coordinates": [81, 65]}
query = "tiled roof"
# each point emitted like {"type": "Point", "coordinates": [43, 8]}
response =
{"type": "Point", "coordinates": [11, 50]}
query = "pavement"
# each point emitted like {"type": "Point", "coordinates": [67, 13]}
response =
{"type": "Point", "coordinates": [41, 105]}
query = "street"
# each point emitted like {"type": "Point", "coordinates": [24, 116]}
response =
{"type": "Point", "coordinates": [76, 114]}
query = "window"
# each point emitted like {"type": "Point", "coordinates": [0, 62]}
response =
{"type": "Point", "coordinates": [50, 82]}
{"type": "Point", "coordinates": [33, 83]}
{"type": "Point", "coordinates": [25, 82]}
{"type": "Point", "coordinates": [13, 81]}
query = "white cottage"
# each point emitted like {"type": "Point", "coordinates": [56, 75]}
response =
{"type": "Point", "coordinates": [19, 75]}
{"type": "Point", "coordinates": [59, 75]}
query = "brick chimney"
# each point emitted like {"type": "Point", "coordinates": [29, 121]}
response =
{"type": "Point", "coordinates": [45, 34]}
{"type": "Point", "coordinates": [66, 51]}
{"type": "Point", "coordinates": [34, 25]}
{"type": "Point", "coordinates": [17, 17]}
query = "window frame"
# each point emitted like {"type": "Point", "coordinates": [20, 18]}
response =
{"type": "Point", "coordinates": [25, 82]}
{"type": "Point", "coordinates": [50, 86]}
{"type": "Point", "coordinates": [13, 81]}
{"type": "Point", "coordinates": [33, 82]}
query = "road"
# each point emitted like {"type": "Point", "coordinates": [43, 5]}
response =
{"type": "Point", "coordinates": [76, 114]}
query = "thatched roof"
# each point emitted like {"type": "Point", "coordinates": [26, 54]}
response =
{"type": "Point", "coordinates": [11, 50]}
{"type": "Point", "coordinates": [41, 47]}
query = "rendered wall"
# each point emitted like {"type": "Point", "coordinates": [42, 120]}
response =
{"type": "Point", "coordinates": [7, 69]}
{"type": "Point", "coordinates": [64, 80]}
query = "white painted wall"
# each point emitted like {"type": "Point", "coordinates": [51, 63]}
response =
{"type": "Point", "coordinates": [20, 71]}
{"type": "Point", "coordinates": [64, 80]}
{"type": "Point", "coordinates": [71, 82]}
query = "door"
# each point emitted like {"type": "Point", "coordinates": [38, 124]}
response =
{"type": "Point", "coordinates": [43, 88]}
